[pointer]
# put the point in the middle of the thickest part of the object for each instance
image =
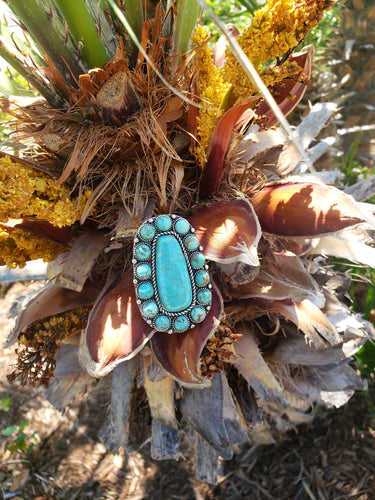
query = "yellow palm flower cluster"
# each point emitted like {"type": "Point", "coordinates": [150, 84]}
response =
{"type": "Point", "coordinates": [40, 342]}
{"type": "Point", "coordinates": [276, 28]}
{"type": "Point", "coordinates": [211, 90]}
{"type": "Point", "coordinates": [55, 328]}
{"type": "Point", "coordinates": [17, 247]}
{"type": "Point", "coordinates": [25, 192]}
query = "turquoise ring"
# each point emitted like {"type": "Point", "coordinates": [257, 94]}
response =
{"type": "Point", "coordinates": [171, 279]}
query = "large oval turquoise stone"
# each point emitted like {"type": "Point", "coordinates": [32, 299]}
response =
{"type": "Point", "coordinates": [172, 275]}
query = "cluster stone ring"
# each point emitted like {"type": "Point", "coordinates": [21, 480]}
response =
{"type": "Point", "coordinates": [171, 279]}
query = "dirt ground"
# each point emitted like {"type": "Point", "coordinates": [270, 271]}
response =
{"type": "Point", "coordinates": [332, 459]}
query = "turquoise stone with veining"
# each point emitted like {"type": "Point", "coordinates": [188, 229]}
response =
{"type": "Point", "coordinates": [142, 251]}
{"type": "Point", "coordinates": [182, 226]}
{"type": "Point", "coordinates": [191, 242]}
{"type": "Point", "coordinates": [163, 222]}
{"type": "Point", "coordinates": [204, 297]}
{"type": "Point", "coordinates": [162, 323]}
{"type": "Point", "coordinates": [147, 232]}
{"type": "Point", "coordinates": [145, 291]}
{"type": "Point", "coordinates": [197, 260]}
{"type": "Point", "coordinates": [143, 271]}
{"type": "Point", "coordinates": [150, 309]}
{"type": "Point", "coordinates": [181, 324]}
{"type": "Point", "coordinates": [172, 275]}
{"type": "Point", "coordinates": [202, 278]}
{"type": "Point", "coordinates": [198, 314]}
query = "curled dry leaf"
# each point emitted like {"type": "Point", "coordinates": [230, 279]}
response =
{"type": "Point", "coordinates": [77, 267]}
{"type": "Point", "coordinates": [268, 147]}
{"type": "Point", "coordinates": [257, 374]}
{"type": "Point", "coordinates": [172, 111]}
{"type": "Point", "coordinates": [179, 354]}
{"type": "Point", "coordinates": [228, 231]}
{"type": "Point", "coordinates": [115, 330]}
{"type": "Point", "coordinates": [218, 147]}
{"type": "Point", "coordinates": [293, 349]}
{"type": "Point", "coordinates": [289, 91]}
{"type": "Point", "coordinates": [308, 318]}
{"type": "Point", "coordinates": [352, 244]}
{"type": "Point", "coordinates": [52, 300]}
{"type": "Point", "coordinates": [256, 143]}
{"type": "Point", "coordinates": [331, 387]}
{"type": "Point", "coordinates": [282, 275]}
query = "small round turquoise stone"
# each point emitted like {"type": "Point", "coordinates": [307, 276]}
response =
{"type": "Point", "coordinates": [150, 309]}
{"type": "Point", "coordinates": [181, 324]}
{"type": "Point", "coordinates": [197, 260]}
{"type": "Point", "coordinates": [147, 232]}
{"type": "Point", "coordinates": [202, 278]}
{"type": "Point", "coordinates": [204, 297]}
{"type": "Point", "coordinates": [143, 271]}
{"type": "Point", "coordinates": [182, 226]}
{"type": "Point", "coordinates": [198, 314]}
{"type": "Point", "coordinates": [162, 323]}
{"type": "Point", "coordinates": [191, 242]}
{"type": "Point", "coordinates": [163, 222]}
{"type": "Point", "coordinates": [142, 251]}
{"type": "Point", "coordinates": [145, 291]}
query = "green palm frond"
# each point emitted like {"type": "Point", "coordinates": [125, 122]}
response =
{"type": "Point", "coordinates": [84, 32]}
{"type": "Point", "coordinates": [43, 32]}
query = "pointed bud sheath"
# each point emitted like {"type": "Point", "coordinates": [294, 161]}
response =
{"type": "Point", "coordinates": [282, 276]}
{"type": "Point", "coordinates": [218, 50]}
{"type": "Point", "coordinates": [52, 300]}
{"type": "Point", "coordinates": [179, 354]}
{"type": "Point", "coordinates": [115, 331]}
{"type": "Point", "coordinates": [229, 232]}
{"type": "Point", "coordinates": [308, 318]}
{"type": "Point", "coordinates": [42, 228]}
{"type": "Point", "coordinates": [307, 209]}
{"type": "Point", "coordinates": [218, 147]}
{"type": "Point", "coordinates": [289, 92]}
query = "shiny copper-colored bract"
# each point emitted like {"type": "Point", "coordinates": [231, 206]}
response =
{"type": "Point", "coordinates": [304, 209]}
